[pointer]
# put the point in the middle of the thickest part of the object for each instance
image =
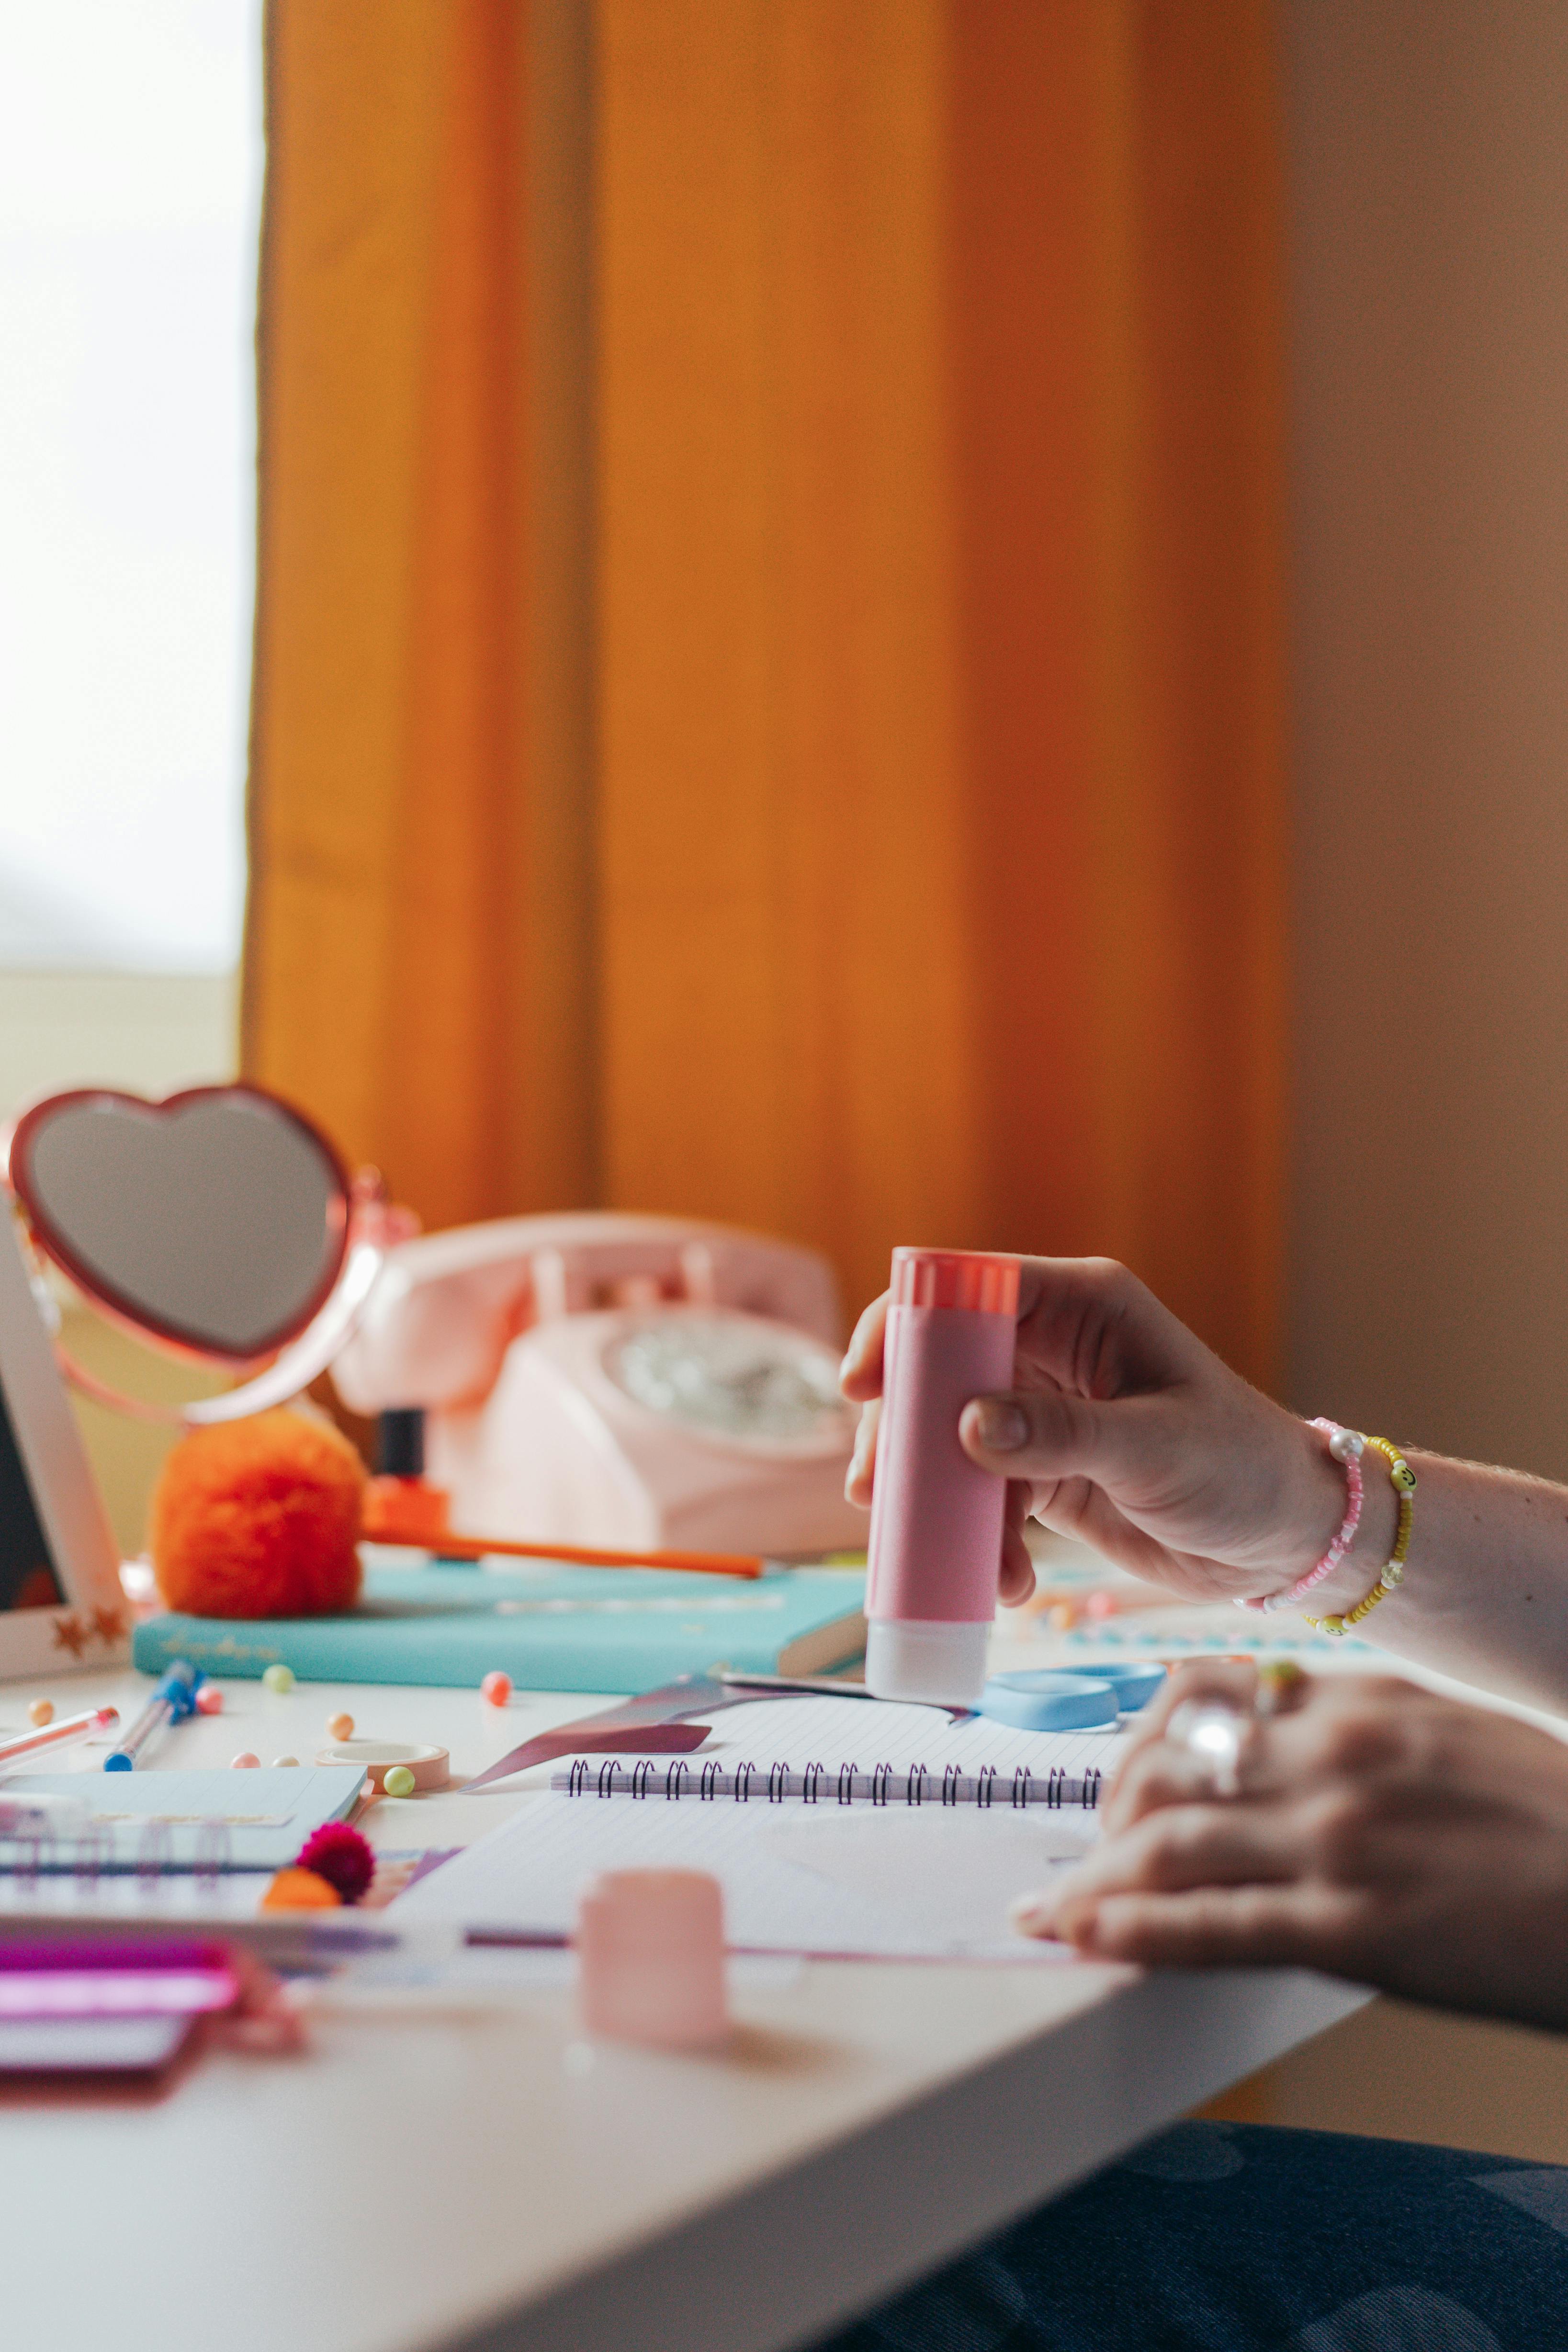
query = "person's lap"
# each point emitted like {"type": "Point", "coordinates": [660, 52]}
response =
{"type": "Point", "coordinates": [1238, 2237]}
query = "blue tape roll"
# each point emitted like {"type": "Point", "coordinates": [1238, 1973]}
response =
{"type": "Point", "coordinates": [1049, 1700]}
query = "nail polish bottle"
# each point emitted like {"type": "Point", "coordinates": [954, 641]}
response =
{"type": "Point", "coordinates": [401, 1506]}
{"type": "Point", "coordinates": [935, 1545]}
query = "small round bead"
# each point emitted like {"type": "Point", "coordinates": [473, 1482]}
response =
{"type": "Point", "coordinates": [209, 1700]}
{"type": "Point", "coordinates": [342, 1727]}
{"type": "Point", "coordinates": [1062, 1617]}
{"type": "Point", "coordinates": [497, 1689]}
{"type": "Point", "coordinates": [42, 1711]}
{"type": "Point", "coordinates": [399, 1781]}
{"type": "Point", "coordinates": [244, 1762]}
{"type": "Point", "coordinates": [278, 1678]}
{"type": "Point", "coordinates": [279, 1761]}
{"type": "Point", "coordinates": [1393, 1574]}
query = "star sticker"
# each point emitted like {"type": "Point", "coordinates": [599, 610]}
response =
{"type": "Point", "coordinates": [108, 1624]}
{"type": "Point", "coordinates": [71, 1635]}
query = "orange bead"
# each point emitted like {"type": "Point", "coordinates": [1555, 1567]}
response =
{"type": "Point", "coordinates": [342, 1727]}
{"type": "Point", "coordinates": [42, 1711]}
{"type": "Point", "coordinates": [496, 1689]}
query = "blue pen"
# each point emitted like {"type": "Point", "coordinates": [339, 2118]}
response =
{"type": "Point", "coordinates": [174, 1698]}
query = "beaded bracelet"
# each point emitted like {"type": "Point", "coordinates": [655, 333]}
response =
{"type": "Point", "coordinates": [1346, 1445]}
{"type": "Point", "coordinates": [1403, 1480]}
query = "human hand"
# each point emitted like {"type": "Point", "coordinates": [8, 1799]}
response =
{"type": "Point", "coordinates": [1124, 1431]}
{"type": "Point", "coordinates": [1379, 1832]}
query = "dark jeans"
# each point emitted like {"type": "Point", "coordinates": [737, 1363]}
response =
{"type": "Point", "coordinates": [1234, 2238]}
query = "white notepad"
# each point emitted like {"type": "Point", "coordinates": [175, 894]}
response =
{"type": "Point", "coordinates": [897, 1876]}
{"type": "Point", "coordinates": [149, 1823]}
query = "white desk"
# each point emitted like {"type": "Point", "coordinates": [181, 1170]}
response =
{"type": "Point", "coordinates": [487, 2181]}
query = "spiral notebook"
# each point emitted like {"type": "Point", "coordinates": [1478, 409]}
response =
{"type": "Point", "coordinates": [837, 1828]}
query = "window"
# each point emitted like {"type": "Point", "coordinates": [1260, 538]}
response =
{"type": "Point", "coordinates": [129, 184]}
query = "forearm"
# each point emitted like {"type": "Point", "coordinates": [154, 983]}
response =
{"type": "Point", "coordinates": [1485, 1592]}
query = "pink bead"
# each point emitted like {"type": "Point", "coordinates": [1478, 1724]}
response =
{"type": "Point", "coordinates": [497, 1689]}
{"type": "Point", "coordinates": [650, 1950]}
{"type": "Point", "coordinates": [244, 1762]}
{"type": "Point", "coordinates": [1099, 1606]}
{"type": "Point", "coordinates": [209, 1700]}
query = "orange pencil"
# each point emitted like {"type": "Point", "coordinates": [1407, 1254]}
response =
{"type": "Point", "coordinates": [698, 1563]}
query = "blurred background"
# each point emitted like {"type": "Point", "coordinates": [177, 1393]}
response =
{"type": "Point", "coordinates": [880, 619]}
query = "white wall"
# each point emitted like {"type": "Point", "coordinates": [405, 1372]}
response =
{"type": "Point", "coordinates": [1430, 313]}
{"type": "Point", "coordinates": [150, 1032]}
{"type": "Point", "coordinates": [1429, 209]}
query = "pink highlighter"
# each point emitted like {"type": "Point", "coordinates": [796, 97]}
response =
{"type": "Point", "coordinates": [936, 1546]}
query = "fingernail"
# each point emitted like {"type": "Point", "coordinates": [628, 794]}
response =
{"type": "Point", "coordinates": [1031, 1914]}
{"type": "Point", "coordinates": [1003, 1428]}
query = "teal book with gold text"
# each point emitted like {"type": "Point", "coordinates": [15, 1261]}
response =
{"type": "Point", "coordinates": [551, 1628]}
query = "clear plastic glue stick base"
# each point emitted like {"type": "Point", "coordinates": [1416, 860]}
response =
{"type": "Point", "coordinates": [942, 1664]}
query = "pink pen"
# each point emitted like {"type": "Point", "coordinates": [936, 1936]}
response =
{"type": "Point", "coordinates": [936, 1518]}
{"type": "Point", "coordinates": [72, 1727]}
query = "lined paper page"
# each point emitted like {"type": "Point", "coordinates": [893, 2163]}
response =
{"type": "Point", "coordinates": [898, 1882]}
{"type": "Point", "coordinates": [940, 1891]}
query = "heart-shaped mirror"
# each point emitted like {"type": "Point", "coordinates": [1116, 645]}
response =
{"type": "Point", "coordinates": [215, 1221]}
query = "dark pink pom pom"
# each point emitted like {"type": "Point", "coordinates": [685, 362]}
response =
{"type": "Point", "coordinates": [340, 1856]}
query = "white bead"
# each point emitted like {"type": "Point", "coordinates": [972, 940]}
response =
{"type": "Point", "coordinates": [1347, 1444]}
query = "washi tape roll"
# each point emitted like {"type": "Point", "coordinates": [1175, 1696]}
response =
{"type": "Point", "coordinates": [431, 1767]}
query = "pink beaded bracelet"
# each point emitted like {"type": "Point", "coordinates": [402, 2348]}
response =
{"type": "Point", "coordinates": [1346, 1445]}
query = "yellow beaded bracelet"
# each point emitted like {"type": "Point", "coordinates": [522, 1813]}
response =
{"type": "Point", "coordinates": [1403, 1480]}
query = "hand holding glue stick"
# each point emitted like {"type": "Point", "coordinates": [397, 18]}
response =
{"type": "Point", "coordinates": [1356, 1824]}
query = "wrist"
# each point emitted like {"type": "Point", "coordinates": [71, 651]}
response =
{"type": "Point", "coordinates": [1342, 1520]}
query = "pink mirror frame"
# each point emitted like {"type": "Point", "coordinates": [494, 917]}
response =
{"type": "Point", "coordinates": [366, 1226]}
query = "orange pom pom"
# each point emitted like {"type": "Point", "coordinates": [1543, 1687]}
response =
{"type": "Point", "coordinates": [259, 1519]}
{"type": "Point", "coordinates": [301, 1890]}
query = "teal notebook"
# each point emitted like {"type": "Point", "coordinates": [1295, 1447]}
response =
{"type": "Point", "coordinates": [570, 1629]}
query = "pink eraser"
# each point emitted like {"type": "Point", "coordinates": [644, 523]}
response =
{"type": "Point", "coordinates": [650, 1947]}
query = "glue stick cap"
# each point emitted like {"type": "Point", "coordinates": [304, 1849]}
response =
{"type": "Point", "coordinates": [963, 1278]}
{"type": "Point", "coordinates": [931, 1663]}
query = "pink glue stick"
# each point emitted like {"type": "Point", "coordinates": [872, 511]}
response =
{"type": "Point", "coordinates": [936, 1518]}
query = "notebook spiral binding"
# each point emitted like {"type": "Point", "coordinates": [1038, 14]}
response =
{"type": "Point", "coordinates": [882, 1786]}
{"type": "Point", "coordinates": [98, 1853]}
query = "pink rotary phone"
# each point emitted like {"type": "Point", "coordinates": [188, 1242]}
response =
{"type": "Point", "coordinates": [595, 1379]}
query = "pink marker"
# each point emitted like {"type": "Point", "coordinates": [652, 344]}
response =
{"type": "Point", "coordinates": [96, 1720]}
{"type": "Point", "coordinates": [936, 1518]}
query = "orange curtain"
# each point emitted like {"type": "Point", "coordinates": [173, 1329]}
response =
{"type": "Point", "coordinates": [768, 695]}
